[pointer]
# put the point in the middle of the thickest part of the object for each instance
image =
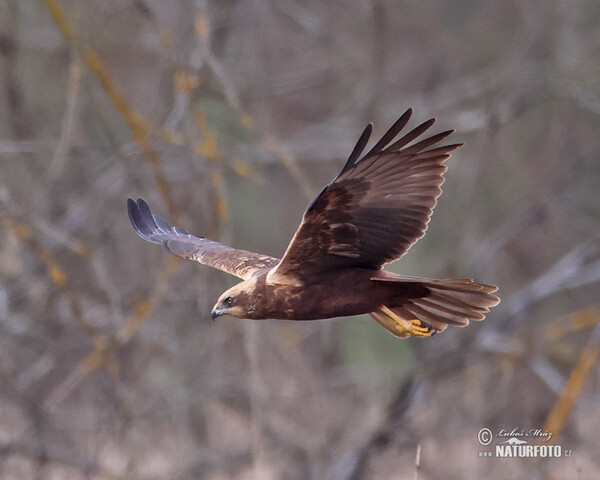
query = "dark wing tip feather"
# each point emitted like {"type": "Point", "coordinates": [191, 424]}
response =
{"type": "Point", "coordinates": [137, 218]}
{"type": "Point", "coordinates": [454, 146]}
{"type": "Point", "coordinates": [161, 223]}
{"type": "Point", "coordinates": [145, 212]}
{"type": "Point", "coordinates": [151, 227]}
{"type": "Point", "coordinates": [384, 145]}
{"type": "Point", "coordinates": [428, 142]}
{"type": "Point", "coordinates": [410, 136]}
{"type": "Point", "coordinates": [358, 148]}
{"type": "Point", "coordinates": [394, 130]}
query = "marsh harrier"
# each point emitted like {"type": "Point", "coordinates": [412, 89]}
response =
{"type": "Point", "coordinates": [369, 215]}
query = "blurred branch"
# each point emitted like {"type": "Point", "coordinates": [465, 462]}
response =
{"type": "Point", "coordinates": [579, 267]}
{"type": "Point", "coordinates": [353, 465]}
{"type": "Point", "coordinates": [256, 395]}
{"type": "Point", "coordinates": [586, 318]}
{"type": "Point", "coordinates": [76, 245]}
{"type": "Point", "coordinates": [583, 97]}
{"type": "Point", "coordinates": [162, 35]}
{"type": "Point", "coordinates": [139, 127]}
{"type": "Point", "coordinates": [203, 55]}
{"type": "Point", "coordinates": [101, 355]}
{"type": "Point", "coordinates": [54, 271]}
{"type": "Point", "coordinates": [560, 411]}
{"type": "Point", "coordinates": [54, 453]}
{"type": "Point", "coordinates": [21, 122]}
{"type": "Point", "coordinates": [273, 145]}
{"type": "Point", "coordinates": [507, 231]}
{"type": "Point", "coordinates": [18, 147]}
{"type": "Point", "coordinates": [104, 347]}
{"type": "Point", "coordinates": [62, 148]}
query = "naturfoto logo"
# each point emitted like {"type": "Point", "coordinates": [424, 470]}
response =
{"type": "Point", "coordinates": [514, 443]}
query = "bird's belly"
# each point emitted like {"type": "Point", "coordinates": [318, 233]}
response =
{"type": "Point", "coordinates": [345, 294]}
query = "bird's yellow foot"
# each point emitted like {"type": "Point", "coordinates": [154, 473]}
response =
{"type": "Point", "coordinates": [401, 327]}
{"type": "Point", "coordinates": [417, 328]}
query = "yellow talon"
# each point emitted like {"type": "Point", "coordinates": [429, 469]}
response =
{"type": "Point", "coordinates": [417, 328]}
{"type": "Point", "coordinates": [401, 327]}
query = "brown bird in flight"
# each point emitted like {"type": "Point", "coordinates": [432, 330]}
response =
{"type": "Point", "coordinates": [369, 215]}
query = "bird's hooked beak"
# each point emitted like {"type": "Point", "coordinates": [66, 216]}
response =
{"type": "Point", "coordinates": [215, 312]}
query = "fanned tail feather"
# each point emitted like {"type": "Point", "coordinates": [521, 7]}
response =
{"type": "Point", "coordinates": [453, 302]}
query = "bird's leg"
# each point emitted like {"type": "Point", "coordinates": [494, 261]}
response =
{"type": "Point", "coordinates": [401, 327]}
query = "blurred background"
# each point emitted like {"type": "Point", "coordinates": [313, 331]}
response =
{"type": "Point", "coordinates": [228, 117]}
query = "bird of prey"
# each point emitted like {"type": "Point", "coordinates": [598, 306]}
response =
{"type": "Point", "coordinates": [369, 215]}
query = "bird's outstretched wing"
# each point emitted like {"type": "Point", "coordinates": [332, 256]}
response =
{"type": "Point", "coordinates": [375, 208]}
{"type": "Point", "coordinates": [178, 241]}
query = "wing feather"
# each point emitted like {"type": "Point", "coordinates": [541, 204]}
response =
{"type": "Point", "coordinates": [392, 133]}
{"type": "Point", "coordinates": [384, 200]}
{"type": "Point", "coordinates": [155, 229]}
{"type": "Point", "coordinates": [359, 147]}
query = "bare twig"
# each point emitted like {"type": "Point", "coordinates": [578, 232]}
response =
{"type": "Point", "coordinates": [578, 267]}
{"type": "Point", "coordinates": [560, 411]}
{"type": "Point", "coordinates": [138, 126]}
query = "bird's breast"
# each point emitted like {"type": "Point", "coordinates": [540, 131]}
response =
{"type": "Point", "coordinates": [342, 292]}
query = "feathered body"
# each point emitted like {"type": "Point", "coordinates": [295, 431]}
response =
{"type": "Point", "coordinates": [340, 293]}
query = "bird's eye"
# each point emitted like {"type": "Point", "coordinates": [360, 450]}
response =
{"type": "Point", "coordinates": [228, 301]}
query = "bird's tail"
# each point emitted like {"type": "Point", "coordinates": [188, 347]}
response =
{"type": "Point", "coordinates": [453, 301]}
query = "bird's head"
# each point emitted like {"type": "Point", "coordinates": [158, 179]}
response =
{"type": "Point", "coordinates": [233, 302]}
